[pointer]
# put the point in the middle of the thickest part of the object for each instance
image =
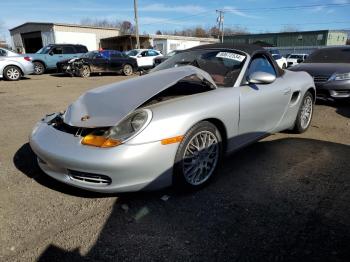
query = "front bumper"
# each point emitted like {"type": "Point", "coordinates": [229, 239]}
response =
{"type": "Point", "coordinates": [129, 167]}
{"type": "Point", "coordinates": [333, 89]}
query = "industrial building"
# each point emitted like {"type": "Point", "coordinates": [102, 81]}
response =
{"type": "Point", "coordinates": [292, 39]}
{"type": "Point", "coordinates": [163, 43]}
{"type": "Point", "coordinates": [31, 36]}
{"type": "Point", "coordinates": [167, 43]}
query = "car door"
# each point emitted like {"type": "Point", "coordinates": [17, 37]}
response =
{"type": "Point", "coordinates": [116, 61]}
{"type": "Point", "coordinates": [142, 59]}
{"type": "Point", "coordinates": [262, 106]}
{"type": "Point", "coordinates": [69, 52]}
{"type": "Point", "coordinates": [151, 55]}
{"type": "Point", "coordinates": [99, 63]}
{"type": "Point", "coordinates": [54, 55]}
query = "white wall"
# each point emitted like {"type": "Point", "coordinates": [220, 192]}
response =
{"type": "Point", "coordinates": [174, 44]}
{"type": "Point", "coordinates": [181, 44]}
{"type": "Point", "coordinates": [87, 39]}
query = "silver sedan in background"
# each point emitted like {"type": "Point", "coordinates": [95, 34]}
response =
{"type": "Point", "coordinates": [13, 66]}
{"type": "Point", "coordinates": [172, 126]}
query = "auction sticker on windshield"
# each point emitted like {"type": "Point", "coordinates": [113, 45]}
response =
{"type": "Point", "coordinates": [230, 55]}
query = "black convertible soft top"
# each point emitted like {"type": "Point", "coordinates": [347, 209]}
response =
{"type": "Point", "coordinates": [249, 49]}
{"type": "Point", "coordinates": [246, 48]}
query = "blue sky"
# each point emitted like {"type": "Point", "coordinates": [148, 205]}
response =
{"type": "Point", "coordinates": [179, 14]}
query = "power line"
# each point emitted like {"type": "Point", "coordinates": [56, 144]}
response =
{"type": "Point", "coordinates": [296, 7]}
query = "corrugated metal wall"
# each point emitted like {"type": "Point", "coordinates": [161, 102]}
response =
{"type": "Point", "coordinates": [312, 38]}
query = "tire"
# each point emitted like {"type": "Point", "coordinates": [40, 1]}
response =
{"type": "Point", "coordinates": [284, 66]}
{"type": "Point", "coordinates": [39, 68]}
{"type": "Point", "coordinates": [12, 73]}
{"type": "Point", "coordinates": [127, 70]}
{"type": "Point", "coordinates": [305, 111]}
{"type": "Point", "coordinates": [85, 71]}
{"type": "Point", "coordinates": [189, 176]}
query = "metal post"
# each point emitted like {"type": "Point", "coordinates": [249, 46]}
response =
{"type": "Point", "coordinates": [136, 26]}
{"type": "Point", "coordinates": [220, 21]}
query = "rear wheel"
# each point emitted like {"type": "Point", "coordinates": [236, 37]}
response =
{"type": "Point", "coordinates": [85, 71]}
{"type": "Point", "coordinates": [39, 68]}
{"type": "Point", "coordinates": [127, 70]}
{"type": "Point", "coordinates": [12, 73]}
{"type": "Point", "coordinates": [304, 116]}
{"type": "Point", "coordinates": [198, 156]}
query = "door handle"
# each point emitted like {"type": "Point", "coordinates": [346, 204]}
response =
{"type": "Point", "coordinates": [287, 91]}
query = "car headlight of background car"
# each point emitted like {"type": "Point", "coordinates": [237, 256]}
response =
{"type": "Point", "coordinates": [338, 77]}
{"type": "Point", "coordinates": [125, 130]}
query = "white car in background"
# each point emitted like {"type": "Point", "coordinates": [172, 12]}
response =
{"type": "Point", "coordinates": [280, 60]}
{"type": "Point", "coordinates": [294, 59]}
{"type": "Point", "coordinates": [145, 57]}
{"type": "Point", "coordinates": [13, 66]}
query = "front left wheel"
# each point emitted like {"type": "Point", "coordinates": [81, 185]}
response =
{"type": "Point", "coordinates": [198, 156]}
{"type": "Point", "coordinates": [85, 71]}
{"type": "Point", "coordinates": [12, 73]}
{"type": "Point", "coordinates": [303, 120]}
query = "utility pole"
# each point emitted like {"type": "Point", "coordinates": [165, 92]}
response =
{"type": "Point", "coordinates": [136, 26]}
{"type": "Point", "coordinates": [220, 21]}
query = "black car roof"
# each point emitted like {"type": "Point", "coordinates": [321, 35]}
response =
{"type": "Point", "coordinates": [65, 45]}
{"type": "Point", "coordinates": [249, 49]}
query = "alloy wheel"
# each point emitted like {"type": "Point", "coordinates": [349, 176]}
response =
{"type": "Point", "coordinates": [13, 73]}
{"type": "Point", "coordinates": [200, 158]}
{"type": "Point", "coordinates": [306, 112]}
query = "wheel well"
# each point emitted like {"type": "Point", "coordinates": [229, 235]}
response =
{"type": "Point", "coordinates": [313, 93]}
{"type": "Point", "coordinates": [20, 69]}
{"type": "Point", "coordinates": [222, 129]}
{"type": "Point", "coordinates": [43, 63]}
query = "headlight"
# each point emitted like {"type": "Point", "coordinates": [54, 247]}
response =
{"type": "Point", "coordinates": [337, 77]}
{"type": "Point", "coordinates": [125, 130]}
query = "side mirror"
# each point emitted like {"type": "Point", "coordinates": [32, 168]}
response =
{"type": "Point", "coordinates": [261, 78]}
{"type": "Point", "coordinates": [51, 53]}
{"type": "Point", "coordinates": [300, 60]}
{"type": "Point", "coordinates": [138, 56]}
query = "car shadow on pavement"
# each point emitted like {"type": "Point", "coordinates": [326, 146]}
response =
{"type": "Point", "coordinates": [286, 199]}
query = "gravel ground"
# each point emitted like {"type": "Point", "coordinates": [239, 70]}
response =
{"type": "Point", "coordinates": [284, 198]}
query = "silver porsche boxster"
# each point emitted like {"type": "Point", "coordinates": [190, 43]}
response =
{"type": "Point", "coordinates": [173, 125]}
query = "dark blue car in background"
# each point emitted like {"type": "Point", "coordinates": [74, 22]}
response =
{"type": "Point", "coordinates": [102, 61]}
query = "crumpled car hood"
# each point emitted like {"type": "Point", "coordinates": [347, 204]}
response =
{"type": "Point", "coordinates": [107, 105]}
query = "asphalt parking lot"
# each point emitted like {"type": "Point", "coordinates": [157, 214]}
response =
{"type": "Point", "coordinates": [284, 198]}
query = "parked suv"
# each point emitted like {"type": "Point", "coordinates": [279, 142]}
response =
{"type": "Point", "coordinates": [48, 56]}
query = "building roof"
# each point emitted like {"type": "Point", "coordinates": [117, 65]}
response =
{"type": "Point", "coordinates": [179, 37]}
{"type": "Point", "coordinates": [249, 49]}
{"type": "Point", "coordinates": [287, 33]}
{"type": "Point", "coordinates": [64, 24]}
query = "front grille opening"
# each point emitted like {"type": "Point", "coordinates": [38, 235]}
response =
{"type": "Point", "coordinates": [321, 78]}
{"type": "Point", "coordinates": [58, 124]}
{"type": "Point", "coordinates": [90, 178]}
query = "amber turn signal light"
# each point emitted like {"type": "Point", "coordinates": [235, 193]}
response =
{"type": "Point", "coordinates": [99, 141]}
{"type": "Point", "coordinates": [172, 140]}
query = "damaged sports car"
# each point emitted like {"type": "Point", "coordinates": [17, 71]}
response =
{"type": "Point", "coordinates": [104, 61]}
{"type": "Point", "coordinates": [173, 125]}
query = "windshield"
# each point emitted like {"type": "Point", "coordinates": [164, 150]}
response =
{"type": "Point", "coordinates": [132, 53]}
{"type": "Point", "coordinates": [44, 50]}
{"type": "Point", "coordinates": [90, 54]}
{"type": "Point", "coordinates": [330, 55]}
{"type": "Point", "coordinates": [223, 66]}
